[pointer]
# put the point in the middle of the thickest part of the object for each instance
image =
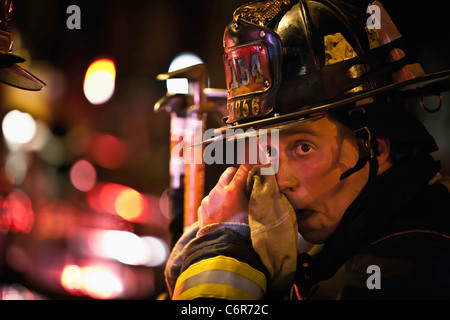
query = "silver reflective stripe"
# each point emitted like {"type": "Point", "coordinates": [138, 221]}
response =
{"type": "Point", "coordinates": [224, 277]}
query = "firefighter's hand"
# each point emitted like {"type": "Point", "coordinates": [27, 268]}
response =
{"type": "Point", "coordinates": [227, 201]}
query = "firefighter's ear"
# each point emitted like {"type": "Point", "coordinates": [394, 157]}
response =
{"type": "Point", "coordinates": [384, 154]}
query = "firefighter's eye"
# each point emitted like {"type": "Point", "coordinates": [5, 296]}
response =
{"type": "Point", "coordinates": [271, 151]}
{"type": "Point", "coordinates": [303, 149]}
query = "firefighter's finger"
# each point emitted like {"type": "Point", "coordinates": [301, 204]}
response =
{"type": "Point", "coordinates": [239, 180]}
{"type": "Point", "coordinates": [203, 211]}
{"type": "Point", "coordinates": [227, 177]}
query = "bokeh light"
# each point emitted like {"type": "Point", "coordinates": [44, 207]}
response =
{"type": "Point", "coordinates": [96, 281]}
{"type": "Point", "coordinates": [181, 61]}
{"type": "Point", "coordinates": [57, 219]}
{"type": "Point", "coordinates": [118, 199]}
{"type": "Point", "coordinates": [157, 249]}
{"type": "Point", "coordinates": [130, 204]}
{"type": "Point", "coordinates": [99, 82]}
{"type": "Point", "coordinates": [123, 246]}
{"type": "Point", "coordinates": [18, 127]}
{"type": "Point", "coordinates": [15, 291]}
{"type": "Point", "coordinates": [16, 167]}
{"type": "Point", "coordinates": [83, 175]}
{"type": "Point", "coordinates": [71, 278]}
{"type": "Point", "coordinates": [107, 197]}
{"type": "Point", "coordinates": [16, 212]}
{"type": "Point", "coordinates": [108, 151]}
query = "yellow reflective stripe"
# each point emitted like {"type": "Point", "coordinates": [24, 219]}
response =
{"type": "Point", "coordinates": [227, 264]}
{"type": "Point", "coordinates": [214, 290]}
{"type": "Point", "coordinates": [220, 277]}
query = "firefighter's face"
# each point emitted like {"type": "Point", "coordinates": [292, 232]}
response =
{"type": "Point", "coordinates": [312, 158]}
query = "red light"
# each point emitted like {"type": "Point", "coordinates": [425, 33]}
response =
{"type": "Point", "coordinates": [5, 218]}
{"type": "Point", "coordinates": [109, 152]}
{"type": "Point", "coordinates": [108, 196]}
{"type": "Point", "coordinates": [118, 199]}
{"type": "Point", "coordinates": [17, 212]}
{"type": "Point", "coordinates": [93, 197]}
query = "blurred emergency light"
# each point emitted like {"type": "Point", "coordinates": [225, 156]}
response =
{"type": "Point", "coordinates": [181, 61]}
{"type": "Point", "coordinates": [118, 199]}
{"type": "Point", "coordinates": [18, 127]}
{"type": "Point", "coordinates": [127, 247]}
{"type": "Point", "coordinates": [109, 151]}
{"type": "Point", "coordinates": [96, 281]}
{"type": "Point", "coordinates": [99, 81]}
{"type": "Point", "coordinates": [16, 213]}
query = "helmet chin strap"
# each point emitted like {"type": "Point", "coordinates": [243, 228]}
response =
{"type": "Point", "coordinates": [368, 151]}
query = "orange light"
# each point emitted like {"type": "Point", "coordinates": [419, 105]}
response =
{"type": "Point", "coordinates": [103, 196]}
{"type": "Point", "coordinates": [56, 219]}
{"type": "Point", "coordinates": [108, 196]}
{"type": "Point", "coordinates": [102, 65]}
{"type": "Point", "coordinates": [118, 199]}
{"type": "Point", "coordinates": [99, 81]}
{"type": "Point", "coordinates": [130, 204]}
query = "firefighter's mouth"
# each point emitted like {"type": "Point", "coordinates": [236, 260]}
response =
{"type": "Point", "coordinates": [303, 214]}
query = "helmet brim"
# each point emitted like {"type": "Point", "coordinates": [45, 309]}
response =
{"type": "Point", "coordinates": [431, 84]}
{"type": "Point", "coordinates": [18, 77]}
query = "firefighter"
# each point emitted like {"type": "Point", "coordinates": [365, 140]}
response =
{"type": "Point", "coordinates": [354, 176]}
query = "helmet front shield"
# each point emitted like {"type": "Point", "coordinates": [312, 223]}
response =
{"type": "Point", "coordinates": [252, 63]}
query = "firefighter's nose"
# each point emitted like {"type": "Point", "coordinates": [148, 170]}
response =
{"type": "Point", "coordinates": [286, 178]}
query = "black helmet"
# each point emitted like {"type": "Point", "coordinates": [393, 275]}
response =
{"type": "Point", "coordinates": [287, 59]}
{"type": "Point", "coordinates": [10, 72]}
